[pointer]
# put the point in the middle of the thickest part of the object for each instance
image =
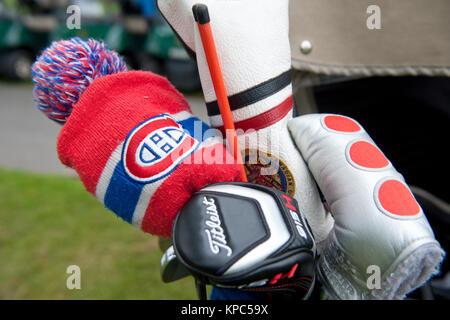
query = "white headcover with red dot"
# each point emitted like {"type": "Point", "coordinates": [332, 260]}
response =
{"type": "Point", "coordinates": [378, 222]}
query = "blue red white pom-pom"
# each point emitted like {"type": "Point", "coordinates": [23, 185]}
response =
{"type": "Point", "coordinates": [65, 70]}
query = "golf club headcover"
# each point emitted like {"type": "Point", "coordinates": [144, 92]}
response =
{"type": "Point", "coordinates": [252, 40]}
{"type": "Point", "coordinates": [130, 136]}
{"type": "Point", "coordinates": [247, 237]}
{"type": "Point", "coordinates": [381, 246]}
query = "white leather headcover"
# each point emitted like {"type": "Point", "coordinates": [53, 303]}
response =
{"type": "Point", "coordinates": [247, 34]}
{"type": "Point", "coordinates": [252, 41]}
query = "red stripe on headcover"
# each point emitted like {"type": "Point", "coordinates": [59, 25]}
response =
{"type": "Point", "coordinates": [264, 119]}
{"type": "Point", "coordinates": [106, 112]}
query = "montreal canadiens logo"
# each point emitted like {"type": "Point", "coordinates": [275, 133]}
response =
{"type": "Point", "coordinates": [155, 148]}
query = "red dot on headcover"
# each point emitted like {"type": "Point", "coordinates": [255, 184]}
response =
{"type": "Point", "coordinates": [341, 124]}
{"type": "Point", "coordinates": [367, 155]}
{"type": "Point", "coordinates": [396, 198]}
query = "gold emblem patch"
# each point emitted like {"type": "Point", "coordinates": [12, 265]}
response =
{"type": "Point", "coordinates": [265, 169]}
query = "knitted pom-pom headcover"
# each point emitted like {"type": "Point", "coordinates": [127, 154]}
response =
{"type": "Point", "coordinates": [130, 136]}
{"type": "Point", "coordinates": [64, 71]}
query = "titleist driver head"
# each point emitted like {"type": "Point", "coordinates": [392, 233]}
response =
{"type": "Point", "coordinates": [246, 236]}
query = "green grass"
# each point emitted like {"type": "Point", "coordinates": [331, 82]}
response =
{"type": "Point", "coordinates": [49, 222]}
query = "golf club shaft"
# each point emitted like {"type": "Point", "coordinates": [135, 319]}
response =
{"type": "Point", "coordinates": [201, 15]}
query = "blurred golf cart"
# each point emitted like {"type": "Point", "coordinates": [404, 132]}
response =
{"type": "Point", "coordinates": [104, 21]}
{"type": "Point", "coordinates": [138, 33]}
{"type": "Point", "coordinates": [173, 61]}
{"type": "Point", "coordinates": [162, 52]}
{"type": "Point", "coordinates": [24, 31]}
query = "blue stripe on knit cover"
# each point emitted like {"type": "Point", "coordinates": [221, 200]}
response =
{"type": "Point", "coordinates": [123, 194]}
{"type": "Point", "coordinates": [197, 128]}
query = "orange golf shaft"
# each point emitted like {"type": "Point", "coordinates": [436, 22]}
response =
{"type": "Point", "coordinates": [221, 93]}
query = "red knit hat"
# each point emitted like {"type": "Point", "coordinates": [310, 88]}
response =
{"type": "Point", "coordinates": [137, 147]}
